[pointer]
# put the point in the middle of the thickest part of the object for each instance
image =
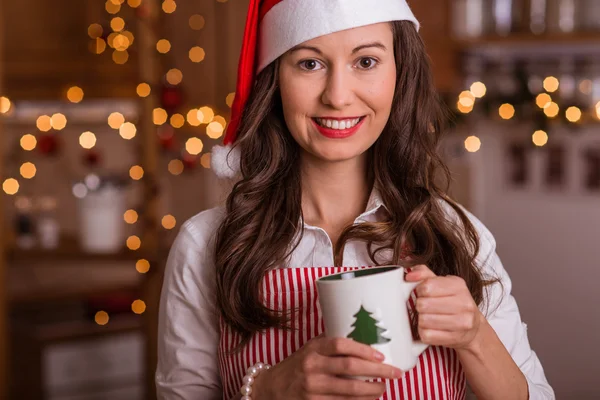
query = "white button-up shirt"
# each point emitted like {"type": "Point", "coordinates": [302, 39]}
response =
{"type": "Point", "coordinates": [188, 336]}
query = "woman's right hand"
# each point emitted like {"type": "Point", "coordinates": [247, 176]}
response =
{"type": "Point", "coordinates": [317, 370]}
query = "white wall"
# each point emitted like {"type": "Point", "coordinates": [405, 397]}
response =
{"type": "Point", "coordinates": [549, 242]}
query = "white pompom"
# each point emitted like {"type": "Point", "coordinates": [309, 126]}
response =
{"type": "Point", "coordinates": [225, 161]}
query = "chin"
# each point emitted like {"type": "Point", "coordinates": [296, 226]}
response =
{"type": "Point", "coordinates": [338, 153]}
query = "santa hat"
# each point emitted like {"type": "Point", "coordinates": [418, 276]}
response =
{"type": "Point", "coordinates": [275, 26]}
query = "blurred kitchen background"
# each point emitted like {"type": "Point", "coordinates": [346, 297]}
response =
{"type": "Point", "coordinates": [108, 112]}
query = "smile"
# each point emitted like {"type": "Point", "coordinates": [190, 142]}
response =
{"type": "Point", "coordinates": [338, 128]}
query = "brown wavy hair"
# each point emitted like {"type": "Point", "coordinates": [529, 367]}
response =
{"type": "Point", "coordinates": [263, 222]}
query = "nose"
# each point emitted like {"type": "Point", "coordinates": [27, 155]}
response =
{"type": "Point", "coordinates": [338, 92]}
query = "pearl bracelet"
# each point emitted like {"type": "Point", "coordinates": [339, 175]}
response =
{"type": "Point", "coordinates": [251, 374]}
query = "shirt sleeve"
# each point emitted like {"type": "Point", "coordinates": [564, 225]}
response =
{"type": "Point", "coordinates": [502, 312]}
{"type": "Point", "coordinates": [188, 329]}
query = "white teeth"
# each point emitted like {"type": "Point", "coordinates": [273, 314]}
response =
{"type": "Point", "coordinates": [336, 124]}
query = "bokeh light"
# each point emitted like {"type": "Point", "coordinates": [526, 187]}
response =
{"type": "Point", "coordinates": [87, 140]}
{"type": "Point", "coordinates": [28, 170]}
{"type": "Point", "coordinates": [194, 146]}
{"type": "Point", "coordinates": [472, 144]}
{"type": "Point", "coordinates": [539, 138]}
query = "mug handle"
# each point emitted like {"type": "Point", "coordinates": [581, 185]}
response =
{"type": "Point", "coordinates": [418, 346]}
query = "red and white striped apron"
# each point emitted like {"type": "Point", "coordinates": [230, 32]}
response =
{"type": "Point", "coordinates": [437, 375]}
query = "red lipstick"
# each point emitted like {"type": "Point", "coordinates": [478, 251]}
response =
{"type": "Point", "coordinates": [337, 133]}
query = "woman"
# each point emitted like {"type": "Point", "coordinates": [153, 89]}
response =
{"type": "Point", "coordinates": [334, 137]}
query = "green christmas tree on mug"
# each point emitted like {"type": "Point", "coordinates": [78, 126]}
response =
{"type": "Point", "coordinates": [366, 330]}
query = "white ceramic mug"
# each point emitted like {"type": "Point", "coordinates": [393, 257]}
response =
{"type": "Point", "coordinates": [369, 306]}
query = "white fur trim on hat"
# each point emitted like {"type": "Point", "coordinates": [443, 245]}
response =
{"type": "Point", "coordinates": [291, 22]}
{"type": "Point", "coordinates": [225, 161]}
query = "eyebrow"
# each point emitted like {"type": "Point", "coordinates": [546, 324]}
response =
{"type": "Point", "coordinates": [356, 49]}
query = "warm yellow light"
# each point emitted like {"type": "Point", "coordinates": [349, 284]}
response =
{"type": "Point", "coordinates": [174, 76]}
{"type": "Point", "coordinates": [169, 222]}
{"type": "Point", "coordinates": [229, 99]}
{"type": "Point", "coordinates": [4, 105]}
{"type": "Point", "coordinates": [87, 140]}
{"type": "Point", "coordinates": [175, 167]}
{"type": "Point", "coordinates": [28, 142]}
{"type": "Point", "coordinates": [598, 110]}
{"type": "Point", "coordinates": [117, 24]}
{"type": "Point", "coordinates": [127, 131]}
{"type": "Point", "coordinates": [206, 114]}
{"type": "Point", "coordinates": [115, 120]}
{"type": "Point", "coordinates": [177, 120]}
{"type": "Point", "coordinates": [133, 242]}
{"type": "Point", "coordinates": [221, 120]}
{"type": "Point", "coordinates": [136, 172]}
{"type": "Point", "coordinates": [192, 117]}
{"type": "Point", "coordinates": [539, 138]}
{"type": "Point", "coordinates": [551, 84]}
{"type": "Point", "coordinates": [111, 39]}
{"type": "Point", "coordinates": [111, 7]}
{"type": "Point", "coordinates": [101, 318]}
{"type": "Point", "coordinates": [75, 94]}
{"type": "Point", "coordinates": [197, 54]}
{"type": "Point", "coordinates": [472, 144]}
{"type": "Point", "coordinates": [573, 114]}
{"type": "Point", "coordinates": [466, 98]}
{"type": "Point", "coordinates": [478, 89]}
{"type": "Point", "coordinates": [142, 266]}
{"type": "Point", "coordinates": [138, 307]}
{"type": "Point", "coordinates": [197, 22]}
{"type": "Point", "coordinates": [169, 6]}
{"type": "Point", "coordinates": [194, 146]}
{"type": "Point", "coordinates": [551, 110]}
{"type": "Point", "coordinates": [120, 57]}
{"type": "Point", "coordinates": [163, 46]}
{"type": "Point", "coordinates": [129, 37]}
{"type": "Point", "coordinates": [130, 216]}
{"type": "Point", "coordinates": [134, 3]}
{"type": "Point", "coordinates": [97, 46]}
{"type": "Point", "coordinates": [10, 186]}
{"type": "Point", "coordinates": [28, 170]}
{"type": "Point", "coordinates": [159, 116]}
{"type": "Point", "coordinates": [121, 42]}
{"type": "Point", "coordinates": [95, 31]}
{"type": "Point", "coordinates": [214, 130]}
{"type": "Point", "coordinates": [463, 109]}
{"type": "Point", "coordinates": [44, 123]}
{"type": "Point", "coordinates": [143, 90]}
{"type": "Point", "coordinates": [205, 160]}
{"type": "Point", "coordinates": [543, 100]}
{"type": "Point", "coordinates": [506, 111]}
{"type": "Point", "coordinates": [58, 121]}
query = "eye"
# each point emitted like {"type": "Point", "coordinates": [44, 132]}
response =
{"type": "Point", "coordinates": [367, 63]}
{"type": "Point", "coordinates": [309, 65]}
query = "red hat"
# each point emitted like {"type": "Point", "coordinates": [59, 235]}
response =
{"type": "Point", "coordinates": [275, 26]}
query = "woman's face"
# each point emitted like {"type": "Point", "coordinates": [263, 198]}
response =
{"type": "Point", "coordinates": [337, 91]}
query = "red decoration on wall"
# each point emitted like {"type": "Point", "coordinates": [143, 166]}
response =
{"type": "Point", "coordinates": [189, 161]}
{"type": "Point", "coordinates": [171, 97]}
{"type": "Point", "coordinates": [166, 137]}
{"type": "Point", "coordinates": [91, 158]}
{"type": "Point", "coordinates": [48, 144]}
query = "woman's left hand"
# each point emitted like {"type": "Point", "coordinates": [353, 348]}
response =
{"type": "Point", "coordinates": [448, 315]}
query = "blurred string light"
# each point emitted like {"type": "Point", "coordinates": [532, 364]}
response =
{"type": "Point", "coordinates": [142, 266]}
{"type": "Point", "coordinates": [539, 138]}
{"type": "Point", "coordinates": [117, 24]}
{"type": "Point", "coordinates": [10, 186]}
{"type": "Point", "coordinates": [168, 222]}
{"type": "Point", "coordinates": [101, 318]}
{"type": "Point", "coordinates": [472, 144]}
{"type": "Point", "coordinates": [197, 22]}
{"type": "Point", "coordinates": [506, 111]}
{"type": "Point", "coordinates": [87, 140]}
{"type": "Point", "coordinates": [5, 105]}
{"type": "Point", "coordinates": [159, 116]}
{"type": "Point", "coordinates": [97, 46]}
{"type": "Point", "coordinates": [163, 46]}
{"type": "Point", "coordinates": [28, 170]}
{"type": "Point", "coordinates": [134, 3]}
{"type": "Point", "coordinates": [121, 42]}
{"type": "Point", "coordinates": [58, 121]}
{"type": "Point", "coordinates": [169, 6]}
{"type": "Point", "coordinates": [174, 76]}
{"type": "Point", "coordinates": [133, 242]}
{"type": "Point", "coordinates": [598, 110]}
{"type": "Point", "coordinates": [130, 216]}
{"type": "Point", "coordinates": [138, 306]}
{"type": "Point", "coordinates": [543, 100]}
{"type": "Point", "coordinates": [478, 89]}
{"type": "Point", "coordinates": [75, 94]}
{"type": "Point", "coordinates": [229, 99]}
{"type": "Point", "coordinates": [205, 160]}
{"type": "Point", "coordinates": [214, 130]}
{"type": "Point", "coordinates": [112, 7]}
{"type": "Point", "coordinates": [466, 98]}
{"type": "Point", "coordinates": [177, 120]}
{"type": "Point", "coordinates": [175, 167]}
{"type": "Point", "coordinates": [115, 120]}
{"type": "Point", "coordinates": [80, 190]}
{"type": "Point", "coordinates": [573, 114]}
{"type": "Point", "coordinates": [120, 57]}
{"type": "Point", "coordinates": [143, 90]}
{"type": "Point", "coordinates": [194, 146]}
{"type": "Point", "coordinates": [551, 110]}
{"type": "Point", "coordinates": [463, 109]}
{"type": "Point", "coordinates": [192, 117]}
{"type": "Point", "coordinates": [44, 123]}
{"type": "Point", "coordinates": [28, 142]}
{"type": "Point", "coordinates": [197, 54]}
{"type": "Point", "coordinates": [127, 131]}
{"type": "Point", "coordinates": [95, 31]}
{"type": "Point", "coordinates": [551, 84]}
{"type": "Point", "coordinates": [136, 172]}
{"type": "Point", "coordinates": [206, 114]}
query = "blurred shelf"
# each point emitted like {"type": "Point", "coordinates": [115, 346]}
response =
{"type": "Point", "coordinates": [524, 43]}
{"type": "Point", "coordinates": [69, 250]}
{"type": "Point", "coordinates": [29, 283]}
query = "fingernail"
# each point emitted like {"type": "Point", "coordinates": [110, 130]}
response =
{"type": "Point", "coordinates": [398, 373]}
{"type": "Point", "coordinates": [379, 356]}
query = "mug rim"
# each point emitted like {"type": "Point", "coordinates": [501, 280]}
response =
{"type": "Point", "coordinates": [368, 272]}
